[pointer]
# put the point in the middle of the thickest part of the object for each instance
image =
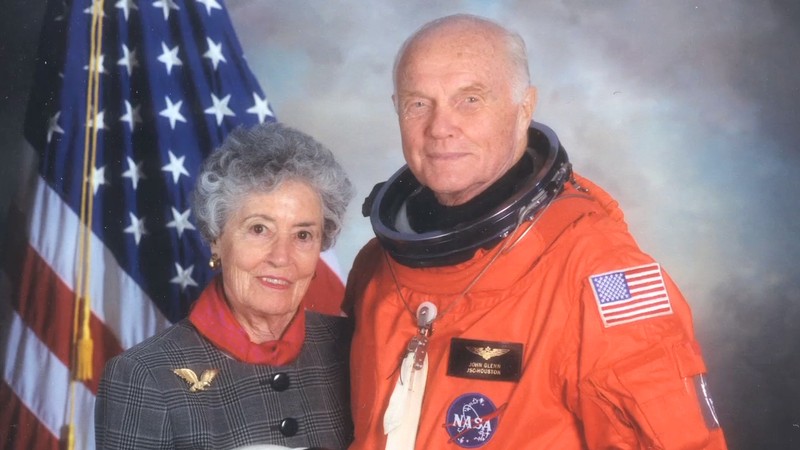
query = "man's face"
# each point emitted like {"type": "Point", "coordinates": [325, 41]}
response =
{"type": "Point", "coordinates": [460, 124]}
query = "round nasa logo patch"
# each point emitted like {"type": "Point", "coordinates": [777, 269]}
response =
{"type": "Point", "coordinates": [471, 420]}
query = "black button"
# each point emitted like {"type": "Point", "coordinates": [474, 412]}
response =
{"type": "Point", "coordinates": [279, 382]}
{"type": "Point", "coordinates": [288, 427]}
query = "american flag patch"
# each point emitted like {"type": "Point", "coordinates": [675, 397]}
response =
{"type": "Point", "coordinates": [631, 294]}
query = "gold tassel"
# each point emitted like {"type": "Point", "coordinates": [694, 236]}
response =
{"type": "Point", "coordinates": [83, 371]}
{"type": "Point", "coordinates": [83, 366]}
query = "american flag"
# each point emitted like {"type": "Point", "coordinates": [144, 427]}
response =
{"type": "Point", "coordinates": [631, 294]}
{"type": "Point", "coordinates": [102, 241]}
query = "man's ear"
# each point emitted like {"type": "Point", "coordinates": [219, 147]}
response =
{"type": "Point", "coordinates": [529, 104]}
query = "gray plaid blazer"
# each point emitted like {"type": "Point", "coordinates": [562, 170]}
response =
{"type": "Point", "coordinates": [142, 404]}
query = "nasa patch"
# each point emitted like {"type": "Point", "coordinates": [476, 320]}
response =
{"type": "Point", "coordinates": [472, 420]}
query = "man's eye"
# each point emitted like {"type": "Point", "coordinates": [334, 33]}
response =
{"type": "Point", "coordinates": [415, 108]}
{"type": "Point", "coordinates": [413, 105]}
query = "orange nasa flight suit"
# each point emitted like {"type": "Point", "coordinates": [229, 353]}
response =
{"type": "Point", "coordinates": [526, 359]}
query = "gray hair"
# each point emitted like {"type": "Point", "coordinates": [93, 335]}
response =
{"type": "Point", "coordinates": [516, 52]}
{"type": "Point", "coordinates": [258, 160]}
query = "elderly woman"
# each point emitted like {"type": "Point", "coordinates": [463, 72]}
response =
{"type": "Point", "coordinates": [249, 365]}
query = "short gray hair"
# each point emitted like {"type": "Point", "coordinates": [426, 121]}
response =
{"type": "Point", "coordinates": [258, 160]}
{"type": "Point", "coordinates": [516, 51]}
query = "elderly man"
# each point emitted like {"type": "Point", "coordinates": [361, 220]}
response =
{"type": "Point", "coordinates": [504, 303]}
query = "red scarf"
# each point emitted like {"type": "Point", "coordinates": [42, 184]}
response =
{"type": "Point", "coordinates": [213, 318]}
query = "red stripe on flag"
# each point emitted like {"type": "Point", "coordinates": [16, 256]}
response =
{"type": "Point", "coordinates": [46, 305]}
{"type": "Point", "coordinates": [636, 313]}
{"type": "Point", "coordinates": [636, 272]}
{"type": "Point", "coordinates": [20, 427]}
{"type": "Point", "coordinates": [635, 303]}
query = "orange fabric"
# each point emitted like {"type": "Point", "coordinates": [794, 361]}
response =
{"type": "Point", "coordinates": [583, 386]}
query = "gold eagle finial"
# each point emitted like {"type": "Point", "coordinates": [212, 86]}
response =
{"type": "Point", "coordinates": [487, 352]}
{"type": "Point", "coordinates": [196, 384]}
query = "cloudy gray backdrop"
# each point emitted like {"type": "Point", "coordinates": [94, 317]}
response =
{"type": "Point", "coordinates": [687, 112]}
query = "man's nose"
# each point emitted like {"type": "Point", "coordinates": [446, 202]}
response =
{"type": "Point", "coordinates": [442, 122]}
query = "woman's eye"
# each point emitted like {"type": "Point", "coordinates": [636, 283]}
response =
{"type": "Point", "coordinates": [259, 229]}
{"type": "Point", "coordinates": [304, 235]}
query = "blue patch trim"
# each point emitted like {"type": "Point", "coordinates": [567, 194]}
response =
{"type": "Point", "coordinates": [472, 420]}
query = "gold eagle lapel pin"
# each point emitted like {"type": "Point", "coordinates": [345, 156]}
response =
{"type": "Point", "coordinates": [487, 352]}
{"type": "Point", "coordinates": [196, 384]}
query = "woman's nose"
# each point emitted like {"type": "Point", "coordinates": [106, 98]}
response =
{"type": "Point", "coordinates": [278, 254]}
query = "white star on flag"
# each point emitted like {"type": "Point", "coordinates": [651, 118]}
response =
{"type": "Point", "coordinates": [173, 112]}
{"type": "Point", "coordinates": [220, 108]}
{"type": "Point", "coordinates": [214, 53]}
{"type": "Point", "coordinates": [181, 221]}
{"type": "Point", "coordinates": [166, 5]}
{"type": "Point", "coordinates": [134, 172]}
{"type": "Point", "coordinates": [184, 277]}
{"type": "Point", "coordinates": [131, 116]}
{"type": "Point", "coordinates": [52, 126]}
{"type": "Point", "coordinates": [260, 108]}
{"type": "Point", "coordinates": [128, 59]}
{"type": "Point", "coordinates": [99, 120]}
{"type": "Point", "coordinates": [96, 64]}
{"type": "Point", "coordinates": [98, 178]}
{"type": "Point", "coordinates": [175, 167]}
{"type": "Point", "coordinates": [126, 6]}
{"type": "Point", "coordinates": [169, 57]}
{"type": "Point", "coordinates": [210, 4]}
{"type": "Point", "coordinates": [136, 228]}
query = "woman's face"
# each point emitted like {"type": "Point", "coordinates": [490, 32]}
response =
{"type": "Point", "coordinates": [269, 249]}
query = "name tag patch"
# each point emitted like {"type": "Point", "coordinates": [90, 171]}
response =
{"type": "Point", "coordinates": [485, 360]}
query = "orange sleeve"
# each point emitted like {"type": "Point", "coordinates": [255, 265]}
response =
{"type": "Point", "coordinates": [643, 384]}
{"type": "Point", "coordinates": [645, 401]}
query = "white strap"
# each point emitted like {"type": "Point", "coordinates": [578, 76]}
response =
{"type": "Point", "coordinates": [401, 420]}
